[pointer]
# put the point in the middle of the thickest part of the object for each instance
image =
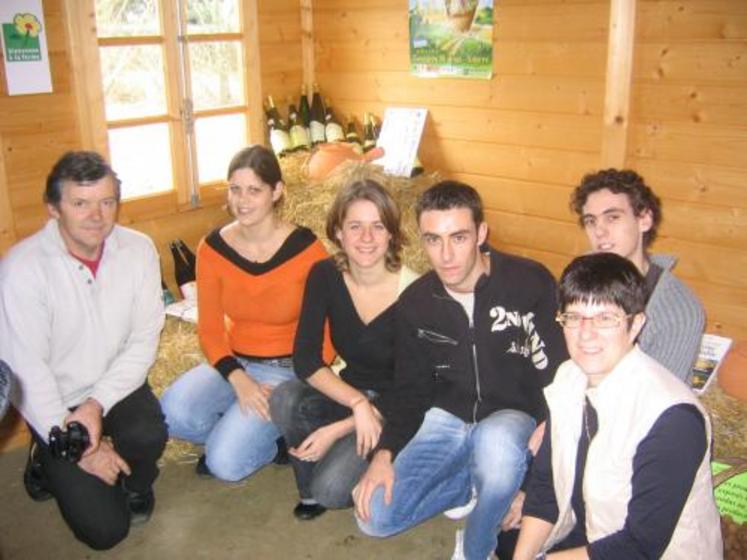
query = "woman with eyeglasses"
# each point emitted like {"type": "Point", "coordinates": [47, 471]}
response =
{"type": "Point", "coordinates": [624, 469]}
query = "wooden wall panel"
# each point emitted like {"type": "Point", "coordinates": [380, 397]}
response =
{"type": "Point", "coordinates": [688, 139]}
{"type": "Point", "coordinates": [525, 137]}
{"type": "Point", "coordinates": [280, 50]}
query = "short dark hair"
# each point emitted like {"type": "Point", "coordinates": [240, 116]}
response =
{"type": "Point", "coordinates": [367, 189]}
{"type": "Point", "coordinates": [81, 168]}
{"type": "Point", "coordinates": [446, 195]}
{"type": "Point", "coordinates": [602, 278]}
{"type": "Point", "coordinates": [624, 181]}
{"type": "Point", "coordinates": [260, 160]}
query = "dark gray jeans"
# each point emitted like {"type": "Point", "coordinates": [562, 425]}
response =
{"type": "Point", "coordinates": [298, 410]}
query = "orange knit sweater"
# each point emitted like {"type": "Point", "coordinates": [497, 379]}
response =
{"type": "Point", "coordinates": [252, 308]}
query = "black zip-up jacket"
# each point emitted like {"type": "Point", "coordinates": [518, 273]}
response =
{"type": "Point", "coordinates": [502, 362]}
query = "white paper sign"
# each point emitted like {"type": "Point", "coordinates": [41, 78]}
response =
{"type": "Point", "coordinates": [400, 138]}
{"type": "Point", "coordinates": [25, 54]}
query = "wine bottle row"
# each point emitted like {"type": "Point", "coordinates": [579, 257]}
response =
{"type": "Point", "coordinates": [315, 123]}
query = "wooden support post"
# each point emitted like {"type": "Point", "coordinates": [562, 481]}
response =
{"type": "Point", "coordinates": [307, 43]}
{"type": "Point", "coordinates": [253, 74]}
{"type": "Point", "coordinates": [619, 76]}
{"type": "Point", "coordinates": [80, 20]}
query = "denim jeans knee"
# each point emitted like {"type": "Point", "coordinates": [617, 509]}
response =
{"type": "Point", "coordinates": [241, 443]}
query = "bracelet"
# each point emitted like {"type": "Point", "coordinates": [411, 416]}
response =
{"type": "Point", "coordinates": [357, 401]}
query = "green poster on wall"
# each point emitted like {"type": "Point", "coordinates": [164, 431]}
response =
{"type": "Point", "coordinates": [451, 38]}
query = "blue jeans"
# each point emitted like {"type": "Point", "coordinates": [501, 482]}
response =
{"type": "Point", "coordinates": [201, 407]}
{"type": "Point", "coordinates": [299, 410]}
{"type": "Point", "coordinates": [437, 469]}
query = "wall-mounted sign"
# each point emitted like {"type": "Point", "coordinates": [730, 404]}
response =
{"type": "Point", "coordinates": [25, 47]}
{"type": "Point", "coordinates": [451, 38]}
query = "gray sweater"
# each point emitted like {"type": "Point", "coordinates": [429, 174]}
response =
{"type": "Point", "coordinates": [675, 321]}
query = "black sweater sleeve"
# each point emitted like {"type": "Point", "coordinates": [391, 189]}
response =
{"type": "Point", "coordinates": [540, 499]}
{"type": "Point", "coordinates": [308, 344]}
{"type": "Point", "coordinates": [664, 469]}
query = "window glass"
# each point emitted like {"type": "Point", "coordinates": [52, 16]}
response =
{"type": "Point", "coordinates": [126, 18]}
{"type": "Point", "coordinates": [218, 139]}
{"type": "Point", "coordinates": [217, 79]}
{"type": "Point", "coordinates": [133, 81]}
{"type": "Point", "coordinates": [212, 16]}
{"type": "Point", "coordinates": [141, 156]}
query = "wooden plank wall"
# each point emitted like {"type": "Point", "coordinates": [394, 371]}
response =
{"type": "Point", "coordinates": [525, 137]}
{"type": "Point", "coordinates": [688, 137]}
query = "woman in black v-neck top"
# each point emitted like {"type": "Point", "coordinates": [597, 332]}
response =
{"type": "Point", "coordinates": [330, 422]}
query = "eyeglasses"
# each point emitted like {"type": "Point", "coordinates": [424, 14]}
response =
{"type": "Point", "coordinates": [603, 320]}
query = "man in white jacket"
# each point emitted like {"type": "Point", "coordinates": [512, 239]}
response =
{"type": "Point", "coordinates": [80, 317]}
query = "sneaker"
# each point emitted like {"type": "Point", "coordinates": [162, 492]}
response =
{"type": "Point", "coordinates": [33, 476]}
{"type": "Point", "coordinates": [202, 469]}
{"type": "Point", "coordinates": [463, 511]}
{"type": "Point", "coordinates": [141, 506]}
{"type": "Point", "coordinates": [459, 546]}
{"type": "Point", "coordinates": [307, 512]}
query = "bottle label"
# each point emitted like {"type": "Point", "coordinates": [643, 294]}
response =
{"type": "Point", "coordinates": [280, 141]}
{"type": "Point", "coordinates": [334, 132]}
{"type": "Point", "coordinates": [317, 132]}
{"type": "Point", "coordinates": [299, 136]}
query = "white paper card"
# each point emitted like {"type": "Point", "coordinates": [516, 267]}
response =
{"type": "Point", "coordinates": [25, 53]}
{"type": "Point", "coordinates": [400, 137]}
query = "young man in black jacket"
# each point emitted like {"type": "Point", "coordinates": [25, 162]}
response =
{"type": "Point", "coordinates": [476, 343]}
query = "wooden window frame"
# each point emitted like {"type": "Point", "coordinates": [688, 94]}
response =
{"type": "Point", "coordinates": [80, 20]}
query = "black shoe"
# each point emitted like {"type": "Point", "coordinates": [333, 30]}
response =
{"type": "Point", "coordinates": [281, 458]}
{"type": "Point", "coordinates": [141, 506]}
{"type": "Point", "coordinates": [202, 469]}
{"type": "Point", "coordinates": [307, 512]}
{"type": "Point", "coordinates": [33, 477]}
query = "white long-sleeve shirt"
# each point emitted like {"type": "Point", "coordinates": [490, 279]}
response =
{"type": "Point", "coordinates": [68, 335]}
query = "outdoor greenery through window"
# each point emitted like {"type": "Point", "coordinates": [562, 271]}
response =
{"type": "Point", "coordinates": [173, 77]}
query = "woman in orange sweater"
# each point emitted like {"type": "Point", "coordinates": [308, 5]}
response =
{"type": "Point", "coordinates": [250, 279]}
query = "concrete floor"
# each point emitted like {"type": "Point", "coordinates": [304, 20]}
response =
{"type": "Point", "coordinates": [197, 518]}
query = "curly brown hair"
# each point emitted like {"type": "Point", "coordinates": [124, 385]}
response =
{"type": "Point", "coordinates": [618, 181]}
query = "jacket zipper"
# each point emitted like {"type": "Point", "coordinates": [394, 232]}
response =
{"type": "Point", "coordinates": [476, 371]}
{"type": "Point", "coordinates": [475, 368]}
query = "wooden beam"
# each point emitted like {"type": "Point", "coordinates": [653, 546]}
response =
{"type": "Point", "coordinates": [253, 74]}
{"type": "Point", "coordinates": [7, 229]}
{"type": "Point", "coordinates": [307, 43]}
{"type": "Point", "coordinates": [80, 20]}
{"type": "Point", "coordinates": [620, 46]}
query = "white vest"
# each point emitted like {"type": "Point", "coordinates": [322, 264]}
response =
{"type": "Point", "coordinates": [628, 402]}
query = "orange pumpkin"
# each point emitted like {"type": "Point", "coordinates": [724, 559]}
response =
{"type": "Point", "coordinates": [328, 156]}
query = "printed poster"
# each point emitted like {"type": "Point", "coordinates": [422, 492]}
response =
{"type": "Point", "coordinates": [24, 42]}
{"type": "Point", "coordinates": [451, 38]}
